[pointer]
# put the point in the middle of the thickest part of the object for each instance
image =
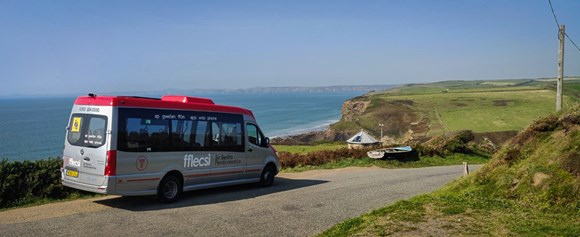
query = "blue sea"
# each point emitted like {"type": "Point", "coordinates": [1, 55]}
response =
{"type": "Point", "coordinates": [34, 128]}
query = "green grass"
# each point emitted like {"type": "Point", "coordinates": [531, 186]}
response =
{"type": "Point", "coordinates": [475, 213]}
{"type": "Point", "coordinates": [482, 111]}
{"type": "Point", "coordinates": [304, 149]}
{"type": "Point", "coordinates": [529, 188]}
{"type": "Point", "coordinates": [572, 89]}
{"type": "Point", "coordinates": [454, 159]}
{"type": "Point", "coordinates": [472, 211]}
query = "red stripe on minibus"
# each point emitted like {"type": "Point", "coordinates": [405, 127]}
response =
{"type": "Point", "coordinates": [214, 174]}
{"type": "Point", "coordinates": [139, 180]}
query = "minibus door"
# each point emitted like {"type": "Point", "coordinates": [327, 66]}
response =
{"type": "Point", "coordinates": [85, 153]}
{"type": "Point", "coordinates": [228, 164]}
{"type": "Point", "coordinates": [256, 151]}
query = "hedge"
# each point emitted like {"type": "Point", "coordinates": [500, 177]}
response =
{"type": "Point", "coordinates": [22, 182]}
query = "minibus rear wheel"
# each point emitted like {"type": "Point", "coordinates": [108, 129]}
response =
{"type": "Point", "coordinates": [169, 189]}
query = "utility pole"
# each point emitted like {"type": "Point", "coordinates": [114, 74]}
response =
{"type": "Point", "coordinates": [559, 86]}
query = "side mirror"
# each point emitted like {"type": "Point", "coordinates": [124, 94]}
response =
{"type": "Point", "coordinates": [267, 140]}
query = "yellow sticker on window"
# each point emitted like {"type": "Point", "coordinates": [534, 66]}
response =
{"type": "Point", "coordinates": [76, 124]}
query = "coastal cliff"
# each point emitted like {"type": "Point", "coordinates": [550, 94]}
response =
{"type": "Point", "coordinates": [493, 110]}
{"type": "Point", "coordinates": [366, 112]}
{"type": "Point", "coordinates": [351, 109]}
{"type": "Point", "coordinates": [399, 121]}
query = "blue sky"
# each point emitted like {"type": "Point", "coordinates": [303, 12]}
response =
{"type": "Point", "coordinates": [74, 47]}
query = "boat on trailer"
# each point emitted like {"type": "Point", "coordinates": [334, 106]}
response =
{"type": "Point", "coordinates": [391, 152]}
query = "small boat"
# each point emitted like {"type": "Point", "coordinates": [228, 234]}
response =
{"type": "Point", "coordinates": [392, 152]}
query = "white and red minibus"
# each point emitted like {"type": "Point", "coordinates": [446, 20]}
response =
{"type": "Point", "coordinates": [134, 146]}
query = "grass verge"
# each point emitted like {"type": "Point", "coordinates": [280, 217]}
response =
{"type": "Point", "coordinates": [425, 161]}
{"type": "Point", "coordinates": [450, 212]}
{"type": "Point", "coordinates": [36, 201]}
{"type": "Point", "coordinates": [304, 149]}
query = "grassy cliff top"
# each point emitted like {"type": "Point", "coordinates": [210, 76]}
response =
{"type": "Point", "coordinates": [425, 110]}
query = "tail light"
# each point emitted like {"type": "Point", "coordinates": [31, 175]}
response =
{"type": "Point", "coordinates": [111, 165]}
{"type": "Point", "coordinates": [63, 159]}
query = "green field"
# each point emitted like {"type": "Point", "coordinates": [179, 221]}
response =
{"type": "Point", "coordinates": [482, 111]}
{"type": "Point", "coordinates": [481, 106]}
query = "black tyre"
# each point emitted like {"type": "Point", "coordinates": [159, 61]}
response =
{"type": "Point", "coordinates": [169, 189]}
{"type": "Point", "coordinates": [267, 177]}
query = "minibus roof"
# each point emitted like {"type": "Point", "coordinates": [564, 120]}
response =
{"type": "Point", "coordinates": [166, 102]}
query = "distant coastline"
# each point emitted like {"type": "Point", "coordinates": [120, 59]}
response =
{"type": "Point", "coordinates": [283, 89]}
{"type": "Point", "coordinates": [199, 91]}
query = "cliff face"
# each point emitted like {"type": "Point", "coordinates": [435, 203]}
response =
{"type": "Point", "coordinates": [352, 109]}
{"type": "Point", "coordinates": [398, 117]}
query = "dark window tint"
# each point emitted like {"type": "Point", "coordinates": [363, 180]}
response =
{"type": "Point", "coordinates": [147, 134]}
{"type": "Point", "coordinates": [87, 130]}
{"type": "Point", "coordinates": [169, 130]}
{"type": "Point", "coordinates": [226, 135]}
{"type": "Point", "coordinates": [255, 136]}
{"type": "Point", "coordinates": [199, 133]}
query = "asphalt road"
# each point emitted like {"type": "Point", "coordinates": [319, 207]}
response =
{"type": "Point", "coordinates": [298, 204]}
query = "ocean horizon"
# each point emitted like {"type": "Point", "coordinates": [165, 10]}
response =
{"type": "Point", "coordinates": [34, 128]}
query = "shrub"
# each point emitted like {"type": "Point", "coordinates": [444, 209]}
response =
{"type": "Point", "coordinates": [291, 160]}
{"type": "Point", "coordinates": [23, 181]}
{"type": "Point", "coordinates": [442, 145]}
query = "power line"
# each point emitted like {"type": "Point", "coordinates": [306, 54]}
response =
{"type": "Point", "coordinates": [558, 26]}
{"type": "Point", "coordinates": [554, 14]}
{"type": "Point", "coordinates": [571, 41]}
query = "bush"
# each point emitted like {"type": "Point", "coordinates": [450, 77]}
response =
{"type": "Point", "coordinates": [24, 181]}
{"type": "Point", "coordinates": [446, 144]}
{"type": "Point", "coordinates": [291, 160]}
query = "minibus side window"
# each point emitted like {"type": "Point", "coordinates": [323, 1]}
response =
{"type": "Point", "coordinates": [200, 134]}
{"type": "Point", "coordinates": [147, 134]}
{"type": "Point", "coordinates": [215, 134]}
{"type": "Point", "coordinates": [232, 134]}
{"type": "Point", "coordinates": [255, 136]}
{"type": "Point", "coordinates": [148, 130]}
{"type": "Point", "coordinates": [181, 134]}
{"type": "Point", "coordinates": [226, 136]}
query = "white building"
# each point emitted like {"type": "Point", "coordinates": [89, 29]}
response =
{"type": "Point", "coordinates": [361, 139]}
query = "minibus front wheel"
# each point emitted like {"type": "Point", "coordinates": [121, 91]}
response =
{"type": "Point", "coordinates": [169, 189]}
{"type": "Point", "coordinates": [267, 177]}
